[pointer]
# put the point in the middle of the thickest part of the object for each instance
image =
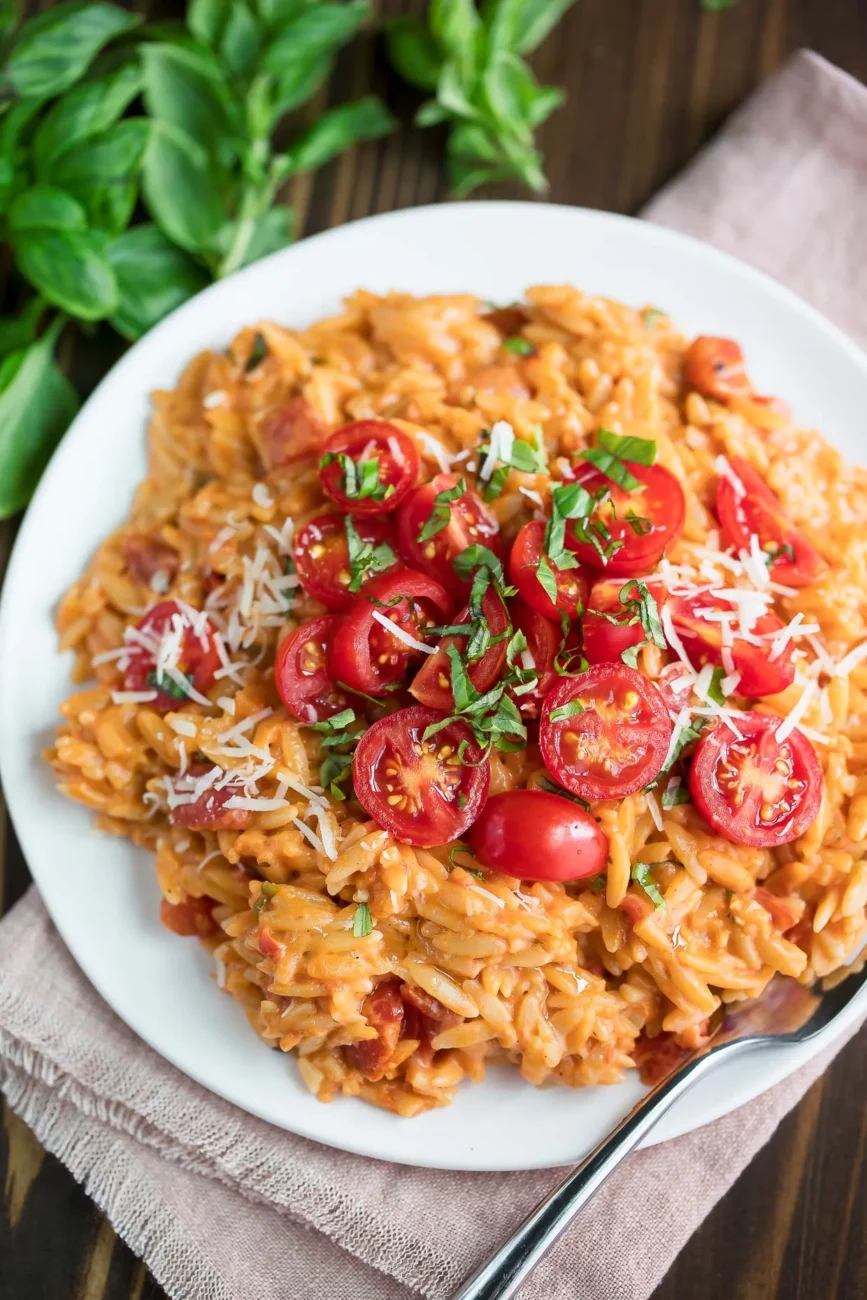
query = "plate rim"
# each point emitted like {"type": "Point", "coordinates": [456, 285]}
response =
{"type": "Point", "coordinates": [787, 298]}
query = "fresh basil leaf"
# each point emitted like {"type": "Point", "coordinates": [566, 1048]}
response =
{"type": "Point", "coordinates": [17, 332]}
{"type": "Point", "coordinates": [642, 451]}
{"type": "Point", "coordinates": [241, 42]}
{"type": "Point", "coordinates": [180, 189]}
{"type": "Point", "coordinates": [717, 6]}
{"type": "Point", "coordinates": [413, 51]}
{"type": "Point", "coordinates": [452, 95]}
{"type": "Point", "coordinates": [44, 207]}
{"type": "Point", "coordinates": [277, 13]}
{"type": "Point", "coordinates": [102, 173]}
{"type": "Point", "coordinates": [512, 94]}
{"type": "Point", "coordinates": [545, 783]}
{"type": "Point", "coordinates": [431, 113]}
{"type": "Point", "coordinates": [87, 110]}
{"type": "Point", "coordinates": [315, 32]}
{"type": "Point", "coordinates": [714, 690]}
{"type": "Point", "coordinates": [642, 877]}
{"type": "Point", "coordinates": [441, 514]}
{"type": "Point", "coordinates": [266, 234]}
{"type": "Point", "coordinates": [54, 50]}
{"type": "Point", "coordinates": [207, 19]}
{"type": "Point", "coordinates": [335, 131]}
{"type": "Point", "coordinates": [547, 578]}
{"type": "Point", "coordinates": [457, 29]}
{"type": "Point", "coordinates": [570, 709]}
{"type": "Point", "coordinates": [365, 559]}
{"type": "Point", "coordinates": [536, 19]}
{"type": "Point", "coordinates": [686, 737]}
{"type": "Point", "coordinates": [784, 552]}
{"type": "Point", "coordinates": [676, 792]}
{"type": "Point", "coordinates": [598, 884]}
{"type": "Point", "coordinates": [297, 79]}
{"type": "Point", "coordinates": [179, 93]}
{"type": "Point", "coordinates": [362, 921]}
{"type": "Point", "coordinates": [36, 406]}
{"type": "Point", "coordinates": [69, 269]}
{"type": "Point", "coordinates": [475, 557]}
{"type": "Point", "coordinates": [154, 277]}
{"type": "Point", "coordinates": [166, 685]}
{"type": "Point", "coordinates": [518, 346]}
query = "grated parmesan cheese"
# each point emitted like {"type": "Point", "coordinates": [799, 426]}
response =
{"type": "Point", "coordinates": [402, 635]}
{"type": "Point", "coordinates": [500, 447]}
{"type": "Point", "coordinates": [183, 726]}
{"type": "Point", "coordinates": [849, 661]}
{"type": "Point", "coordinates": [793, 717]}
{"type": "Point", "coordinates": [653, 809]}
{"type": "Point", "coordinates": [261, 496]}
{"type": "Point", "coordinates": [133, 697]}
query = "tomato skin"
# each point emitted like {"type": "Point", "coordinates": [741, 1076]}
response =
{"type": "Point", "coordinates": [209, 811]}
{"type": "Point", "coordinates": [432, 683]}
{"type": "Point", "coordinates": [197, 661]}
{"type": "Point", "coordinates": [716, 368]}
{"type": "Point", "coordinates": [760, 512]}
{"type": "Point", "coordinates": [363, 654]}
{"type": "Point", "coordinates": [301, 673]}
{"type": "Point", "coordinates": [470, 523]}
{"type": "Point", "coordinates": [363, 440]}
{"type": "Point", "coordinates": [604, 642]}
{"type": "Point", "coordinates": [321, 556]}
{"type": "Point", "coordinates": [384, 1011]}
{"type": "Point", "coordinates": [538, 836]}
{"type": "Point", "coordinates": [424, 778]}
{"type": "Point", "coordinates": [742, 793]}
{"type": "Point", "coordinates": [660, 500]}
{"type": "Point", "coordinates": [572, 584]}
{"type": "Point", "coordinates": [617, 744]}
{"type": "Point", "coordinates": [191, 918]}
{"type": "Point", "coordinates": [702, 641]}
{"type": "Point", "coordinates": [543, 644]}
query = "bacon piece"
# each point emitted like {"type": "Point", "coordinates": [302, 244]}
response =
{"type": "Point", "coordinates": [430, 1007]}
{"type": "Point", "coordinates": [191, 917]}
{"type": "Point", "coordinates": [383, 1009]}
{"type": "Point", "coordinates": [657, 1057]}
{"type": "Point", "coordinates": [784, 912]}
{"type": "Point", "coordinates": [268, 945]}
{"type": "Point", "coordinates": [636, 907]}
{"type": "Point", "coordinates": [508, 320]}
{"type": "Point", "coordinates": [292, 432]}
{"type": "Point", "coordinates": [147, 556]}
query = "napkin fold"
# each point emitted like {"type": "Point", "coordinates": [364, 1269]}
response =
{"type": "Point", "coordinates": [222, 1206]}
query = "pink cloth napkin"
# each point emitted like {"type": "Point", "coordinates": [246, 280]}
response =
{"type": "Point", "coordinates": [224, 1207]}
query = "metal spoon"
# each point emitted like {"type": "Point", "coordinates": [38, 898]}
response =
{"type": "Point", "coordinates": [786, 1013]}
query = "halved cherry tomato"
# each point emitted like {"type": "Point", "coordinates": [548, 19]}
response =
{"type": "Point", "coordinates": [605, 733]}
{"type": "Point", "coordinates": [543, 644]}
{"type": "Point", "coordinates": [419, 790]}
{"type": "Point", "coordinates": [759, 512]}
{"type": "Point", "coordinates": [538, 836]}
{"type": "Point", "coordinates": [604, 640]}
{"type": "Point", "coordinates": [432, 684]}
{"type": "Point", "coordinates": [656, 510]}
{"type": "Point", "coordinates": [697, 622]}
{"type": "Point", "coordinates": [572, 584]}
{"type": "Point", "coordinates": [209, 811]}
{"type": "Point", "coordinates": [198, 659]}
{"type": "Point", "coordinates": [716, 368]}
{"type": "Point", "coordinates": [321, 555]}
{"type": "Point", "coordinates": [366, 440]}
{"type": "Point", "coordinates": [759, 790]}
{"type": "Point", "coordinates": [192, 917]}
{"type": "Point", "coordinates": [365, 654]}
{"type": "Point", "coordinates": [470, 523]}
{"type": "Point", "coordinates": [301, 673]}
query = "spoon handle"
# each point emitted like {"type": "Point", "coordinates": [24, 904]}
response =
{"type": "Point", "coordinates": [501, 1275]}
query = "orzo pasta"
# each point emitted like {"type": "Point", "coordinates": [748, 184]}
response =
{"type": "Point", "coordinates": [490, 686]}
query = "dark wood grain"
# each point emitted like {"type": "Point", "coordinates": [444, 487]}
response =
{"type": "Point", "coordinates": [649, 81]}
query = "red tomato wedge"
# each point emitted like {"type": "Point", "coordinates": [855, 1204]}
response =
{"type": "Point", "coordinates": [197, 659]}
{"type": "Point", "coordinates": [538, 836]}
{"type": "Point", "coordinates": [757, 790]}
{"type": "Point", "coordinates": [301, 673]}
{"type": "Point", "coordinates": [383, 1010]}
{"type": "Point", "coordinates": [468, 522]}
{"type": "Point", "coordinates": [572, 584]}
{"type": "Point", "coordinates": [209, 811]}
{"type": "Point", "coordinates": [700, 628]}
{"type": "Point", "coordinates": [605, 733]}
{"type": "Point", "coordinates": [716, 368]}
{"type": "Point", "coordinates": [419, 790]}
{"type": "Point", "coordinates": [758, 512]}
{"type": "Point", "coordinates": [363, 491]}
{"type": "Point", "coordinates": [321, 555]}
{"type": "Point", "coordinates": [432, 683]}
{"type": "Point", "coordinates": [656, 510]}
{"type": "Point", "coordinates": [191, 918]}
{"type": "Point", "coordinates": [365, 654]}
{"type": "Point", "coordinates": [543, 644]}
{"type": "Point", "coordinates": [604, 640]}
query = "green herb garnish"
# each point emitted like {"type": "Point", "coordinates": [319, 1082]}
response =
{"type": "Point", "coordinates": [714, 690]}
{"type": "Point", "coordinates": [642, 877]}
{"type": "Point", "coordinates": [528, 457]}
{"type": "Point", "coordinates": [652, 314]}
{"type": "Point", "coordinates": [258, 353]}
{"type": "Point", "coordinates": [784, 552]}
{"type": "Point", "coordinates": [169, 686]}
{"type": "Point", "coordinates": [520, 347]}
{"type": "Point", "coordinates": [676, 792]}
{"type": "Point", "coordinates": [598, 884]}
{"type": "Point", "coordinates": [545, 783]}
{"type": "Point", "coordinates": [359, 480]}
{"type": "Point", "coordinates": [440, 514]}
{"type": "Point", "coordinates": [366, 559]}
{"type": "Point", "coordinates": [362, 921]}
{"type": "Point", "coordinates": [267, 891]}
{"type": "Point", "coordinates": [570, 709]}
{"type": "Point", "coordinates": [614, 451]}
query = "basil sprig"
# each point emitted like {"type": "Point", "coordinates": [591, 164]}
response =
{"type": "Point", "coordinates": [440, 513]}
{"type": "Point", "coordinates": [365, 558]}
{"type": "Point", "coordinates": [359, 479]}
{"type": "Point", "coordinates": [614, 451]}
{"type": "Point", "coordinates": [472, 64]}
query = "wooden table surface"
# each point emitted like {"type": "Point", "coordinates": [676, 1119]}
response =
{"type": "Point", "coordinates": [649, 81]}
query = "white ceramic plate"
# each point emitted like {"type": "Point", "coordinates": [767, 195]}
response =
{"type": "Point", "coordinates": [101, 891]}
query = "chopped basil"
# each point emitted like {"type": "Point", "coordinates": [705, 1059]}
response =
{"type": "Point", "coordinates": [440, 514]}
{"type": "Point", "coordinates": [568, 710]}
{"type": "Point", "coordinates": [336, 735]}
{"type": "Point", "coordinates": [359, 479]}
{"type": "Point", "coordinates": [267, 891]}
{"type": "Point", "coordinates": [362, 921]}
{"type": "Point", "coordinates": [479, 557]}
{"type": "Point", "coordinates": [169, 686]}
{"type": "Point", "coordinates": [258, 352]}
{"type": "Point", "coordinates": [459, 847]}
{"type": "Point", "coordinates": [493, 717]}
{"type": "Point", "coordinates": [676, 792]}
{"type": "Point", "coordinates": [519, 346]}
{"type": "Point", "coordinates": [568, 501]}
{"type": "Point", "coordinates": [651, 315]}
{"type": "Point", "coordinates": [639, 525]}
{"type": "Point", "coordinates": [526, 457]}
{"type": "Point", "coordinates": [642, 877]}
{"type": "Point", "coordinates": [714, 690]}
{"type": "Point", "coordinates": [545, 783]}
{"type": "Point", "coordinates": [784, 552]}
{"type": "Point", "coordinates": [568, 662]}
{"type": "Point", "coordinates": [598, 884]}
{"type": "Point", "coordinates": [365, 558]}
{"type": "Point", "coordinates": [614, 451]}
{"type": "Point", "coordinates": [337, 722]}
{"type": "Point", "coordinates": [686, 737]}
{"type": "Point", "coordinates": [640, 606]}
{"type": "Point", "coordinates": [547, 578]}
